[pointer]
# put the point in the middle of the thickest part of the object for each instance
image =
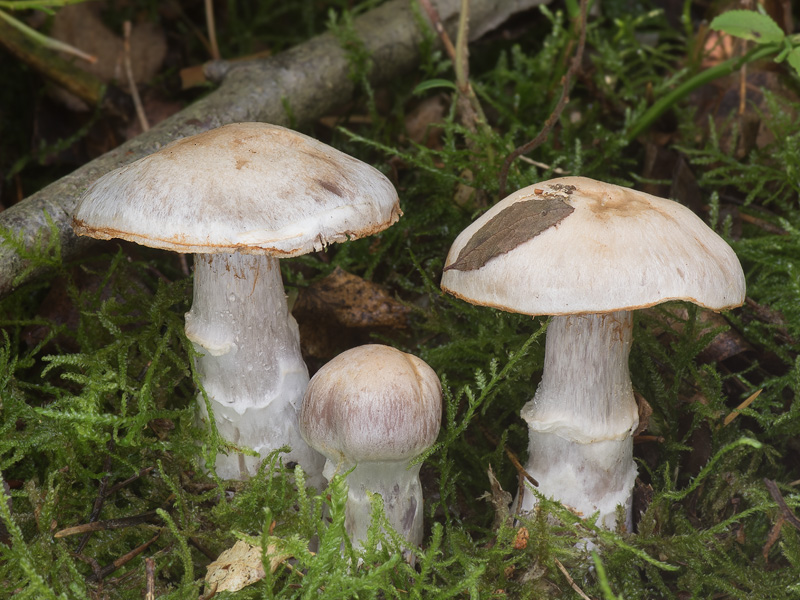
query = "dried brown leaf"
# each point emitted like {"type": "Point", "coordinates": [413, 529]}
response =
{"type": "Point", "coordinates": [509, 228]}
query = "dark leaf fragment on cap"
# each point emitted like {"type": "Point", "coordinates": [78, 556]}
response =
{"type": "Point", "coordinates": [508, 229]}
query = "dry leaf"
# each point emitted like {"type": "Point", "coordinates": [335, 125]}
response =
{"type": "Point", "coordinates": [500, 500]}
{"type": "Point", "coordinates": [508, 229]}
{"type": "Point", "coordinates": [80, 25]}
{"type": "Point", "coordinates": [241, 566]}
{"type": "Point", "coordinates": [423, 123]}
{"type": "Point", "coordinates": [341, 311]}
{"type": "Point", "coordinates": [645, 412]}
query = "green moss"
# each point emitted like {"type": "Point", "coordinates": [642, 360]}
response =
{"type": "Point", "coordinates": [103, 389]}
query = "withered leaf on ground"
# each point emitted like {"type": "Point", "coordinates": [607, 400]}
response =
{"type": "Point", "coordinates": [508, 229]}
{"type": "Point", "coordinates": [341, 311]}
{"type": "Point", "coordinates": [240, 566]}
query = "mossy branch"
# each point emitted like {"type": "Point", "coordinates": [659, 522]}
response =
{"type": "Point", "coordinates": [309, 80]}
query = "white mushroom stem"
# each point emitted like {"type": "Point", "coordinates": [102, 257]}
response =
{"type": "Point", "coordinates": [251, 366]}
{"type": "Point", "coordinates": [400, 488]}
{"type": "Point", "coordinates": [583, 415]}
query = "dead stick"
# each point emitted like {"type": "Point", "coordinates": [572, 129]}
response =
{"type": "Point", "coordinates": [571, 581]}
{"type": "Point", "coordinates": [150, 578]}
{"type": "Point", "coordinates": [98, 503]}
{"type": "Point", "coordinates": [787, 513]}
{"type": "Point", "coordinates": [562, 102]}
{"type": "Point", "coordinates": [137, 101]}
{"type": "Point", "coordinates": [511, 456]}
{"type": "Point", "coordinates": [116, 487]}
{"type": "Point", "coordinates": [212, 29]}
{"type": "Point", "coordinates": [438, 27]}
{"type": "Point", "coordinates": [121, 561]}
{"type": "Point", "coordinates": [120, 523]}
{"type": "Point", "coordinates": [310, 80]}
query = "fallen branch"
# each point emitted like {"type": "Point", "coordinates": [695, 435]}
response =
{"type": "Point", "coordinates": [309, 80]}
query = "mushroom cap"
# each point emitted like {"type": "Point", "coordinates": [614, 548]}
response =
{"type": "Point", "coordinates": [372, 403]}
{"type": "Point", "coordinates": [616, 249]}
{"type": "Point", "coordinates": [253, 188]}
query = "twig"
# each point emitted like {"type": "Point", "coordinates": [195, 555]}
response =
{"type": "Point", "coordinates": [571, 581]}
{"type": "Point", "coordinates": [735, 412]}
{"type": "Point", "coordinates": [787, 513]}
{"type": "Point", "coordinates": [562, 102]}
{"type": "Point", "coordinates": [212, 30]}
{"type": "Point", "coordinates": [121, 561]}
{"type": "Point", "coordinates": [545, 166]}
{"type": "Point", "coordinates": [774, 535]}
{"type": "Point", "coordinates": [150, 578]}
{"type": "Point", "coordinates": [137, 101]}
{"type": "Point", "coordinates": [436, 21]}
{"type": "Point", "coordinates": [116, 487]}
{"type": "Point", "coordinates": [469, 107]}
{"type": "Point", "coordinates": [120, 523]}
{"type": "Point", "coordinates": [98, 503]}
{"type": "Point", "coordinates": [511, 456]}
{"type": "Point", "coordinates": [292, 88]}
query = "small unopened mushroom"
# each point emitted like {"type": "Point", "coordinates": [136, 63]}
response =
{"type": "Point", "coordinates": [240, 197]}
{"type": "Point", "coordinates": [375, 408]}
{"type": "Point", "coordinates": [588, 253]}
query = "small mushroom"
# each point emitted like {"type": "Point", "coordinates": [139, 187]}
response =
{"type": "Point", "coordinates": [375, 408]}
{"type": "Point", "coordinates": [240, 197]}
{"type": "Point", "coordinates": [588, 253]}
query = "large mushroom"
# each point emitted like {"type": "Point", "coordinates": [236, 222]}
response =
{"type": "Point", "coordinates": [588, 253]}
{"type": "Point", "coordinates": [240, 197]}
{"type": "Point", "coordinates": [371, 411]}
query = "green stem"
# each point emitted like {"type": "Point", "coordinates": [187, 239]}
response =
{"type": "Point", "coordinates": [47, 42]}
{"type": "Point", "coordinates": [721, 70]}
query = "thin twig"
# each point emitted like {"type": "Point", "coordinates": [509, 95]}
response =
{"type": "Point", "coordinates": [571, 581]}
{"type": "Point", "coordinates": [150, 578]}
{"type": "Point", "coordinates": [735, 413]}
{"type": "Point", "coordinates": [511, 456]}
{"type": "Point", "coordinates": [116, 487]}
{"type": "Point", "coordinates": [137, 101]}
{"type": "Point", "coordinates": [773, 536]}
{"type": "Point", "coordinates": [120, 523]}
{"type": "Point", "coordinates": [562, 102]}
{"type": "Point", "coordinates": [121, 561]}
{"type": "Point", "coordinates": [212, 29]}
{"type": "Point", "coordinates": [436, 21]}
{"type": "Point", "coordinates": [98, 503]}
{"type": "Point", "coordinates": [469, 108]}
{"type": "Point", "coordinates": [545, 166]}
{"type": "Point", "coordinates": [786, 512]}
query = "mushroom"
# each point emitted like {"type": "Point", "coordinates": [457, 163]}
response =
{"type": "Point", "coordinates": [240, 197]}
{"type": "Point", "coordinates": [371, 411]}
{"type": "Point", "coordinates": [588, 253]}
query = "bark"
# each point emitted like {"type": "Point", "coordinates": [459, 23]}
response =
{"type": "Point", "coordinates": [310, 79]}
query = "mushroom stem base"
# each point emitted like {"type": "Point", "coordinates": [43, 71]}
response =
{"type": "Point", "coordinates": [590, 478]}
{"type": "Point", "coordinates": [400, 488]}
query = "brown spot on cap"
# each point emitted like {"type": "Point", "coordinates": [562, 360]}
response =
{"type": "Point", "coordinates": [331, 187]}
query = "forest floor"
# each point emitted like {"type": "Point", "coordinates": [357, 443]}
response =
{"type": "Point", "coordinates": [98, 387]}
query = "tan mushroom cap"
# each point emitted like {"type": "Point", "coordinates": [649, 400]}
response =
{"type": "Point", "coordinates": [619, 249]}
{"type": "Point", "coordinates": [372, 403]}
{"type": "Point", "coordinates": [253, 188]}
